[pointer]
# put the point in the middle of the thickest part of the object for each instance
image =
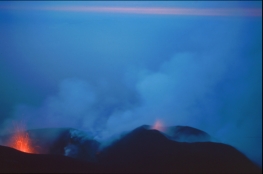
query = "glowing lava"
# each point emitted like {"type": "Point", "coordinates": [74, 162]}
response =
{"type": "Point", "coordinates": [21, 141]}
{"type": "Point", "coordinates": [158, 125]}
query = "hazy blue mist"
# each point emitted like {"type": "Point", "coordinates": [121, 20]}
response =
{"type": "Point", "coordinates": [108, 72]}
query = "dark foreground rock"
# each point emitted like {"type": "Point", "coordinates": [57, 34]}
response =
{"type": "Point", "coordinates": [142, 150]}
{"type": "Point", "coordinates": [12, 160]}
{"type": "Point", "coordinates": [145, 150]}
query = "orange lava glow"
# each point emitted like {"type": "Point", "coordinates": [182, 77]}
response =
{"type": "Point", "coordinates": [158, 125]}
{"type": "Point", "coordinates": [21, 141]}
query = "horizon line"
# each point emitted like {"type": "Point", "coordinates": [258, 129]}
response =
{"type": "Point", "coordinates": [174, 11]}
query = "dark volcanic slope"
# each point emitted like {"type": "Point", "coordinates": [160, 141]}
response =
{"type": "Point", "coordinates": [144, 150]}
{"type": "Point", "coordinates": [141, 150]}
{"type": "Point", "coordinates": [187, 134]}
{"type": "Point", "coordinates": [12, 160]}
{"type": "Point", "coordinates": [56, 140]}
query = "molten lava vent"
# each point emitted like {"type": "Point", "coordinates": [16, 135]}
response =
{"type": "Point", "coordinates": [21, 141]}
{"type": "Point", "coordinates": [158, 125]}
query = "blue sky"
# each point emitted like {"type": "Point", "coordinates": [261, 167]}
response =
{"type": "Point", "coordinates": [108, 71]}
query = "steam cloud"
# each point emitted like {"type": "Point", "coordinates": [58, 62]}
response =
{"type": "Point", "coordinates": [182, 92]}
